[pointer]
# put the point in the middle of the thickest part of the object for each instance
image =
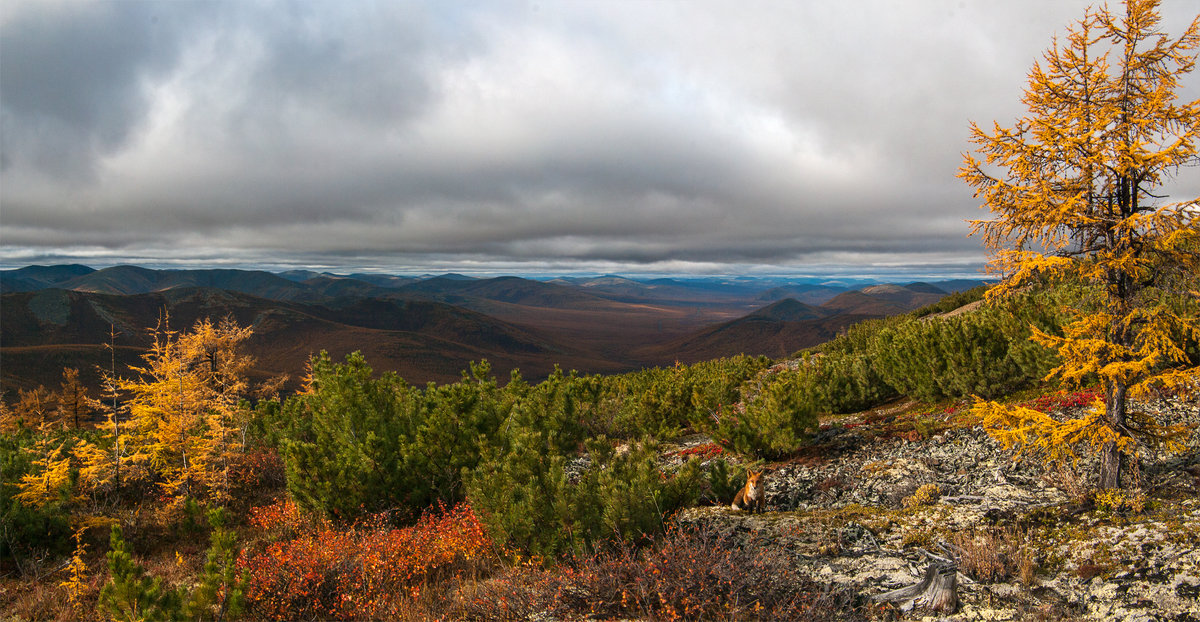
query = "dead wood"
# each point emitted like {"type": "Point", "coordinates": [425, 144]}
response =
{"type": "Point", "coordinates": [936, 591]}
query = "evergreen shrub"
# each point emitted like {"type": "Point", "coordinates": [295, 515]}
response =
{"type": "Point", "coordinates": [363, 445]}
{"type": "Point", "coordinates": [771, 423]}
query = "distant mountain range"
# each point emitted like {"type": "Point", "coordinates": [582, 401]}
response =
{"type": "Point", "coordinates": [427, 327]}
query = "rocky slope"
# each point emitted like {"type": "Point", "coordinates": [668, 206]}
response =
{"type": "Point", "coordinates": [884, 495]}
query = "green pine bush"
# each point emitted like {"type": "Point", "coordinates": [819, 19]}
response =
{"type": "Point", "coordinates": [362, 444]}
{"type": "Point", "coordinates": [775, 421]}
{"type": "Point", "coordinates": [132, 595]}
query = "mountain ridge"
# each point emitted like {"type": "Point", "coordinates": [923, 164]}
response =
{"type": "Point", "coordinates": [426, 329]}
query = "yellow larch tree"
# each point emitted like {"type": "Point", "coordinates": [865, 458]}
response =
{"type": "Point", "coordinates": [182, 408]}
{"type": "Point", "coordinates": [74, 406]}
{"type": "Point", "coordinates": [35, 409]}
{"type": "Point", "coordinates": [1074, 194]}
{"type": "Point", "coordinates": [8, 419]}
{"type": "Point", "coordinates": [50, 477]}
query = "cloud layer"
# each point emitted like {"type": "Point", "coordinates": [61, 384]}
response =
{"type": "Point", "coordinates": [491, 136]}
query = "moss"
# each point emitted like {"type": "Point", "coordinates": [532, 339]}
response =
{"type": "Point", "coordinates": [879, 520]}
{"type": "Point", "coordinates": [925, 495]}
{"type": "Point", "coordinates": [917, 538]}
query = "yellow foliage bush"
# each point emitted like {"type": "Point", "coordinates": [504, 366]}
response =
{"type": "Point", "coordinates": [925, 495]}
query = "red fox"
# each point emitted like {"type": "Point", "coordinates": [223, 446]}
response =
{"type": "Point", "coordinates": [752, 496]}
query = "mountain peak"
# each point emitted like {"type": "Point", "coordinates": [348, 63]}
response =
{"type": "Point", "coordinates": [789, 310]}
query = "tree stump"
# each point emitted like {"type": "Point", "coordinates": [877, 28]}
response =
{"type": "Point", "coordinates": [937, 591]}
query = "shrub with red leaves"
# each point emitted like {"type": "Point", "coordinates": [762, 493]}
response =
{"type": "Point", "coordinates": [1063, 400]}
{"type": "Point", "coordinates": [704, 451]}
{"type": "Point", "coordinates": [367, 571]}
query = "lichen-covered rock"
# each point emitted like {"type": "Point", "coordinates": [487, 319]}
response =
{"type": "Point", "coordinates": [842, 517]}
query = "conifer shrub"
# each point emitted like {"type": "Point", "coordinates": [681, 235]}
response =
{"type": "Point", "coordinates": [27, 531]}
{"type": "Point", "coordinates": [654, 402]}
{"type": "Point", "coordinates": [986, 353]}
{"type": "Point", "coordinates": [775, 421]}
{"type": "Point", "coordinates": [532, 502]}
{"type": "Point", "coordinates": [952, 301]}
{"type": "Point", "coordinates": [843, 373]}
{"type": "Point", "coordinates": [132, 594]}
{"type": "Point", "coordinates": [568, 408]}
{"type": "Point", "coordinates": [724, 479]}
{"type": "Point", "coordinates": [361, 444]}
{"type": "Point", "coordinates": [846, 382]}
{"type": "Point", "coordinates": [660, 402]}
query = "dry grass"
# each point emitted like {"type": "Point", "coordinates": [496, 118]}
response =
{"type": "Point", "coordinates": [996, 554]}
{"type": "Point", "coordinates": [685, 575]}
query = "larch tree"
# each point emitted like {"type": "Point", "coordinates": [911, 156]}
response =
{"type": "Point", "coordinates": [183, 405]}
{"type": "Point", "coordinates": [73, 402]}
{"type": "Point", "coordinates": [35, 409]}
{"type": "Point", "coordinates": [1074, 193]}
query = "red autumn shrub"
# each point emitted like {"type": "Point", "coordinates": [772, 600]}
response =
{"type": "Point", "coordinates": [366, 571]}
{"type": "Point", "coordinates": [1063, 400]}
{"type": "Point", "coordinates": [704, 451]}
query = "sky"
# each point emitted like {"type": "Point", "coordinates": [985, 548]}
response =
{"type": "Point", "coordinates": [605, 136]}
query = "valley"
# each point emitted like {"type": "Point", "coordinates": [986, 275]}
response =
{"type": "Point", "coordinates": [425, 328]}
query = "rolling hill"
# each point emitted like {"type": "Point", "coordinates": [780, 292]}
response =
{"type": "Point", "coordinates": [426, 328]}
{"type": "Point", "coordinates": [776, 330]}
{"type": "Point", "coordinates": [884, 300]}
{"type": "Point", "coordinates": [788, 325]}
{"type": "Point", "coordinates": [802, 292]}
{"type": "Point", "coordinates": [506, 289]}
{"type": "Point", "coordinates": [32, 278]}
{"type": "Point", "coordinates": [136, 280]}
{"type": "Point", "coordinates": [421, 340]}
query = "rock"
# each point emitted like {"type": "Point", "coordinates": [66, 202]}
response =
{"type": "Point", "coordinates": [842, 522]}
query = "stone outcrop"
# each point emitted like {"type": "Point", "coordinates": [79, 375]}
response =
{"type": "Point", "coordinates": [876, 513]}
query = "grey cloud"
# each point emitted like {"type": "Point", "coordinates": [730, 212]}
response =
{"type": "Point", "coordinates": [505, 134]}
{"type": "Point", "coordinates": [72, 77]}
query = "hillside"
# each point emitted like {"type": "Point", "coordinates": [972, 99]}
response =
{"type": "Point", "coordinates": [810, 294]}
{"type": "Point", "coordinates": [876, 501]}
{"type": "Point", "coordinates": [693, 292]}
{"type": "Point", "coordinates": [884, 300]}
{"type": "Point", "coordinates": [135, 280]}
{"type": "Point", "coordinates": [866, 487]}
{"type": "Point", "coordinates": [776, 330]}
{"type": "Point", "coordinates": [430, 327]}
{"type": "Point", "coordinates": [421, 340]}
{"type": "Point", "coordinates": [505, 289]}
{"type": "Point", "coordinates": [32, 278]}
{"type": "Point", "coordinates": [786, 326]}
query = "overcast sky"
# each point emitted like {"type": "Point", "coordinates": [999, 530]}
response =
{"type": "Point", "coordinates": [510, 137]}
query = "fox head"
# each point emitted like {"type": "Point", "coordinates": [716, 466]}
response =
{"type": "Point", "coordinates": [754, 480]}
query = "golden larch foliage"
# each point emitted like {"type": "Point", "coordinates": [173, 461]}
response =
{"type": "Point", "coordinates": [183, 407]}
{"type": "Point", "coordinates": [1072, 190]}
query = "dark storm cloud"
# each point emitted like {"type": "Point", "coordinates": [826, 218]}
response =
{"type": "Point", "coordinates": [583, 135]}
{"type": "Point", "coordinates": [71, 84]}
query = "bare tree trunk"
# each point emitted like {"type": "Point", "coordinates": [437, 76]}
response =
{"type": "Point", "coordinates": [112, 349]}
{"type": "Point", "coordinates": [1112, 459]}
{"type": "Point", "coordinates": [937, 591]}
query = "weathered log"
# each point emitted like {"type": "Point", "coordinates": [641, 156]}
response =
{"type": "Point", "coordinates": [936, 591]}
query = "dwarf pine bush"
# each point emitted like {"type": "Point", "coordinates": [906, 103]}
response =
{"type": "Point", "coordinates": [363, 444]}
{"type": "Point", "coordinates": [776, 420]}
